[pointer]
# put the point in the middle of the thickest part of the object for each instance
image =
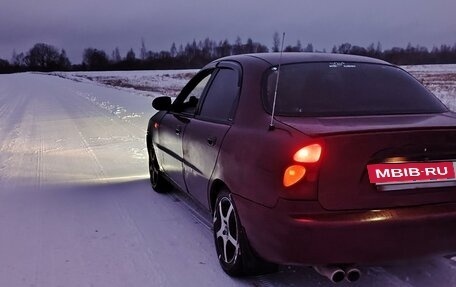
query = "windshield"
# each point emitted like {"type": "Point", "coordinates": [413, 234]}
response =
{"type": "Point", "coordinates": [346, 89]}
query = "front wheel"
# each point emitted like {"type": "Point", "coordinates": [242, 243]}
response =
{"type": "Point", "coordinates": [233, 250]}
{"type": "Point", "coordinates": [158, 182]}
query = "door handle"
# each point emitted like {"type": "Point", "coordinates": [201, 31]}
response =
{"type": "Point", "coordinates": [178, 130]}
{"type": "Point", "coordinates": [211, 141]}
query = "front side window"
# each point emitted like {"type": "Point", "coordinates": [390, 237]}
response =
{"type": "Point", "coordinates": [187, 102]}
{"type": "Point", "coordinates": [346, 89]}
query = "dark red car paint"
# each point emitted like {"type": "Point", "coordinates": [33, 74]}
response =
{"type": "Point", "coordinates": [334, 216]}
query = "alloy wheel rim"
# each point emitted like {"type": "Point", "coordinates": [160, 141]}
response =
{"type": "Point", "coordinates": [226, 234]}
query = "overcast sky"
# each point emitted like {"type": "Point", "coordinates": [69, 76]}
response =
{"type": "Point", "coordinates": [106, 24]}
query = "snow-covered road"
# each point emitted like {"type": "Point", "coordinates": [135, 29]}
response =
{"type": "Point", "coordinates": [76, 208]}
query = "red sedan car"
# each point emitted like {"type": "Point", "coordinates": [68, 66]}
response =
{"type": "Point", "coordinates": [315, 159]}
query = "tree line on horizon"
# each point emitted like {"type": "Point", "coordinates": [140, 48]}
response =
{"type": "Point", "coordinates": [44, 57]}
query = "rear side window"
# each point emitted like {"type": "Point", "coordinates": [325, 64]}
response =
{"type": "Point", "coordinates": [221, 96]}
{"type": "Point", "coordinates": [343, 89]}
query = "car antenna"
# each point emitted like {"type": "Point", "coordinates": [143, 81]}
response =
{"type": "Point", "coordinates": [271, 125]}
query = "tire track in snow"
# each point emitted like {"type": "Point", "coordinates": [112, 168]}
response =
{"type": "Point", "coordinates": [39, 152]}
{"type": "Point", "coordinates": [12, 115]}
{"type": "Point", "coordinates": [100, 174]}
{"type": "Point", "coordinates": [113, 109]}
{"type": "Point", "coordinates": [129, 127]}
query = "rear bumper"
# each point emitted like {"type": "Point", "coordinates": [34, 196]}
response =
{"type": "Point", "coordinates": [303, 233]}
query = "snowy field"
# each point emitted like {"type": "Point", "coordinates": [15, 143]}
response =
{"type": "Point", "coordinates": [76, 208]}
{"type": "Point", "coordinates": [439, 79]}
{"type": "Point", "coordinates": [148, 83]}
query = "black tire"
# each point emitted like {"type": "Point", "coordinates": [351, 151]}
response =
{"type": "Point", "coordinates": [233, 250]}
{"type": "Point", "coordinates": [158, 182]}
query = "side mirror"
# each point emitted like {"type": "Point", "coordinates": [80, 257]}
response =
{"type": "Point", "coordinates": [162, 103]}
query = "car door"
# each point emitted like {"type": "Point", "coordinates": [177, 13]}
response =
{"type": "Point", "coordinates": [205, 132]}
{"type": "Point", "coordinates": [173, 126]}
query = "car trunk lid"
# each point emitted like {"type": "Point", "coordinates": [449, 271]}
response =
{"type": "Point", "coordinates": [351, 144]}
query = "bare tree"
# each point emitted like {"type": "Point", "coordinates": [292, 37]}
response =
{"type": "Point", "coordinates": [18, 60]}
{"type": "Point", "coordinates": [275, 42]}
{"type": "Point", "coordinates": [64, 62]}
{"type": "Point", "coordinates": [131, 56]}
{"type": "Point", "coordinates": [143, 52]}
{"type": "Point", "coordinates": [4, 66]}
{"type": "Point", "coordinates": [309, 48]}
{"type": "Point", "coordinates": [115, 57]}
{"type": "Point", "coordinates": [238, 47]}
{"type": "Point", "coordinates": [45, 57]}
{"type": "Point", "coordinates": [344, 48]}
{"type": "Point", "coordinates": [95, 59]}
{"type": "Point", "coordinates": [299, 46]}
{"type": "Point", "coordinates": [173, 50]}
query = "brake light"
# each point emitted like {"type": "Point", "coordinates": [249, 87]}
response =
{"type": "Point", "coordinates": [293, 174]}
{"type": "Point", "coordinates": [308, 154]}
{"type": "Point", "coordinates": [296, 172]}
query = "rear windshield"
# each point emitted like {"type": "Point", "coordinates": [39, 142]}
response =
{"type": "Point", "coordinates": [343, 89]}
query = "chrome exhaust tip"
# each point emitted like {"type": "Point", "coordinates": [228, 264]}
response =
{"type": "Point", "coordinates": [333, 273]}
{"type": "Point", "coordinates": [352, 274]}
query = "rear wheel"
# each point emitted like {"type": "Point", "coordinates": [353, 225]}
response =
{"type": "Point", "coordinates": [158, 182]}
{"type": "Point", "coordinates": [233, 250]}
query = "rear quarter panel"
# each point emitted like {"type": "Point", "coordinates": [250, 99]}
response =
{"type": "Point", "coordinates": [252, 158]}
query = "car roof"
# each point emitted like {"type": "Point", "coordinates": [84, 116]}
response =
{"type": "Point", "coordinates": [301, 57]}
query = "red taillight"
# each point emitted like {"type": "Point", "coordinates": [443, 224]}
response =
{"type": "Point", "coordinates": [308, 154]}
{"type": "Point", "coordinates": [294, 173]}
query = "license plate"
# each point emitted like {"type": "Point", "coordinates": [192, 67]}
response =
{"type": "Point", "coordinates": [388, 173]}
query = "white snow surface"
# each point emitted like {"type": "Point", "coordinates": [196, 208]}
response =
{"type": "Point", "coordinates": [435, 68]}
{"type": "Point", "coordinates": [76, 207]}
{"type": "Point", "coordinates": [147, 83]}
{"type": "Point", "coordinates": [439, 79]}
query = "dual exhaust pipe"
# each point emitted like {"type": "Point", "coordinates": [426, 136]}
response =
{"type": "Point", "coordinates": [337, 273]}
